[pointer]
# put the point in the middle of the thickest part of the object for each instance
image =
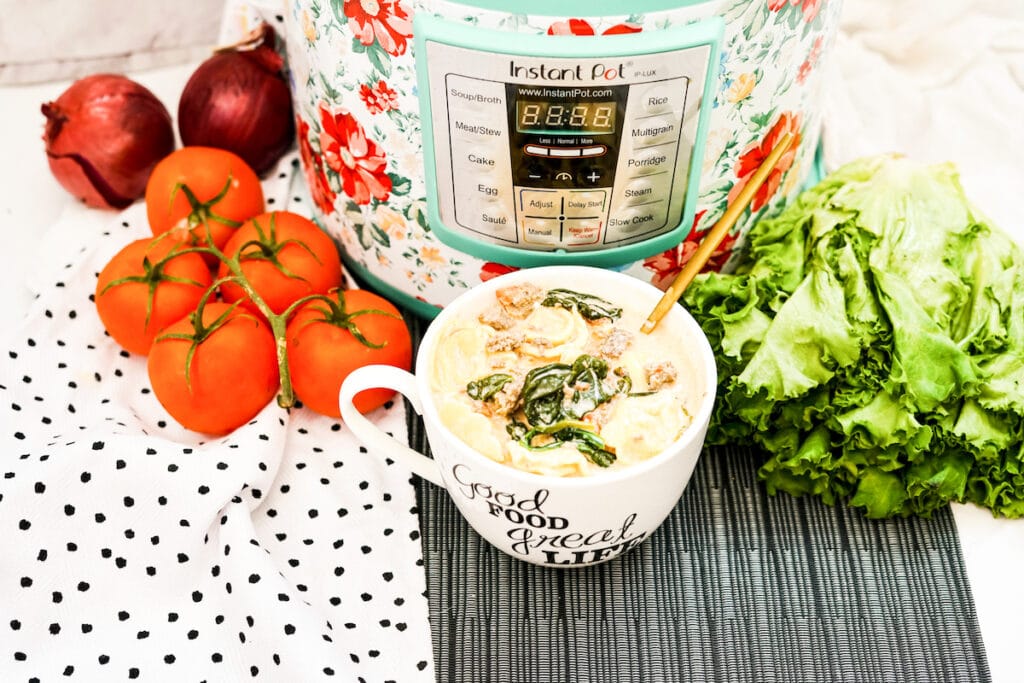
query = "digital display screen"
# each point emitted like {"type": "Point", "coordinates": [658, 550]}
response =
{"type": "Point", "coordinates": [574, 118]}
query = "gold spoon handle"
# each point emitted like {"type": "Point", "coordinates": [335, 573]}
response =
{"type": "Point", "coordinates": [716, 234]}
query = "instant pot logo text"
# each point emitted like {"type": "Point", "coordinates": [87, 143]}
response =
{"type": "Point", "coordinates": [533, 532]}
{"type": "Point", "coordinates": [578, 73]}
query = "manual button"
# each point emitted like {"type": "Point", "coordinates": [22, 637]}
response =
{"type": "Point", "coordinates": [546, 231]}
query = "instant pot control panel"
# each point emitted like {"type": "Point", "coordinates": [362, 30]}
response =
{"type": "Point", "coordinates": [537, 155]}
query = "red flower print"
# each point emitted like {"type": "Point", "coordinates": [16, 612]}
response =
{"type": "Point", "coordinates": [804, 72]}
{"type": "Point", "coordinates": [319, 189]}
{"type": "Point", "coordinates": [812, 58]}
{"type": "Point", "coordinates": [491, 270]}
{"type": "Point", "coordinates": [357, 159]}
{"type": "Point", "coordinates": [811, 9]}
{"type": "Point", "coordinates": [669, 263]}
{"type": "Point", "coordinates": [581, 27]}
{"type": "Point", "coordinates": [379, 97]}
{"type": "Point", "coordinates": [382, 20]}
{"type": "Point", "coordinates": [755, 155]}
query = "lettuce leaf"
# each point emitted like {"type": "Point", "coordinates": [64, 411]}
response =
{"type": "Point", "coordinates": [871, 342]}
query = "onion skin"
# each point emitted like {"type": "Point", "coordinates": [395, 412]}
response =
{"type": "Point", "coordinates": [103, 136]}
{"type": "Point", "coordinates": [238, 100]}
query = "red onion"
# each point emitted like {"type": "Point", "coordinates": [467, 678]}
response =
{"type": "Point", "coordinates": [104, 135]}
{"type": "Point", "coordinates": [238, 100]}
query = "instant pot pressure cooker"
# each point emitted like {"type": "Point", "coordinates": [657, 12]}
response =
{"type": "Point", "coordinates": [445, 142]}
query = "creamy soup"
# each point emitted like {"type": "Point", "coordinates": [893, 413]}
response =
{"type": "Point", "coordinates": [560, 382]}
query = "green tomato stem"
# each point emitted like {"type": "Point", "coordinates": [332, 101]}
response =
{"type": "Point", "coordinates": [278, 323]}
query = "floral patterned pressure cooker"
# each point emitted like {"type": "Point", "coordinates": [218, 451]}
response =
{"type": "Point", "coordinates": [510, 97]}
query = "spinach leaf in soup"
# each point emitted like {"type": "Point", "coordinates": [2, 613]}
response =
{"type": "Point", "coordinates": [543, 393]}
{"type": "Point", "coordinates": [590, 307]}
{"type": "Point", "coordinates": [485, 388]}
{"type": "Point", "coordinates": [588, 388]}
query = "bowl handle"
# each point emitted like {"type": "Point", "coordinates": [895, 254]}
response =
{"type": "Point", "coordinates": [385, 377]}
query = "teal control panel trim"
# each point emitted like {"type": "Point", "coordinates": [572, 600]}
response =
{"type": "Point", "coordinates": [580, 8]}
{"type": "Point", "coordinates": [431, 30]}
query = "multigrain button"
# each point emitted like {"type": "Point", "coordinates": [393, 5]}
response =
{"type": "Point", "coordinates": [654, 130]}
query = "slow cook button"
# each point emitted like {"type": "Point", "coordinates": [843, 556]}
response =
{"type": "Point", "coordinates": [634, 221]}
{"type": "Point", "coordinates": [584, 204]}
{"type": "Point", "coordinates": [542, 203]}
{"type": "Point", "coordinates": [546, 231]}
{"type": "Point", "coordinates": [582, 231]}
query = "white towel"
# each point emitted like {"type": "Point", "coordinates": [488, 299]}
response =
{"type": "Point", "coordinates": [136, 549]}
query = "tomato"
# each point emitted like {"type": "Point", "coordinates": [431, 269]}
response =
{"type": "Point", "coordinates": [214, 377]}
{"type": "Point", "coordinates": [284, 256]}
{"type": "Point", "coordinates": [196, 187]}
{"type": "Point", "coordinates": [147, 286]}
{"type": "Point", "coordinates": [323, 347]}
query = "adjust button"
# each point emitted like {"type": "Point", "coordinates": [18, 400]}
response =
{"type": "Point", "coordinates": [540, 203]}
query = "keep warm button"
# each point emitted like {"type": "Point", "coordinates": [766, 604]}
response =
{"type": "Point", "coordinates": [582, 231]}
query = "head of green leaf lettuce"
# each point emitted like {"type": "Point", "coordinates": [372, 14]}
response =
{"type": "Point", "coordinates": [871, 342]}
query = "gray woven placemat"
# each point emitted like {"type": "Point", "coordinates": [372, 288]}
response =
{"type": "Point", "coordinates": [736, 586]}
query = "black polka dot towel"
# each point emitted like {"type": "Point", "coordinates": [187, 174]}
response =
{"type": "Point", "coordinates": [136, 550]}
